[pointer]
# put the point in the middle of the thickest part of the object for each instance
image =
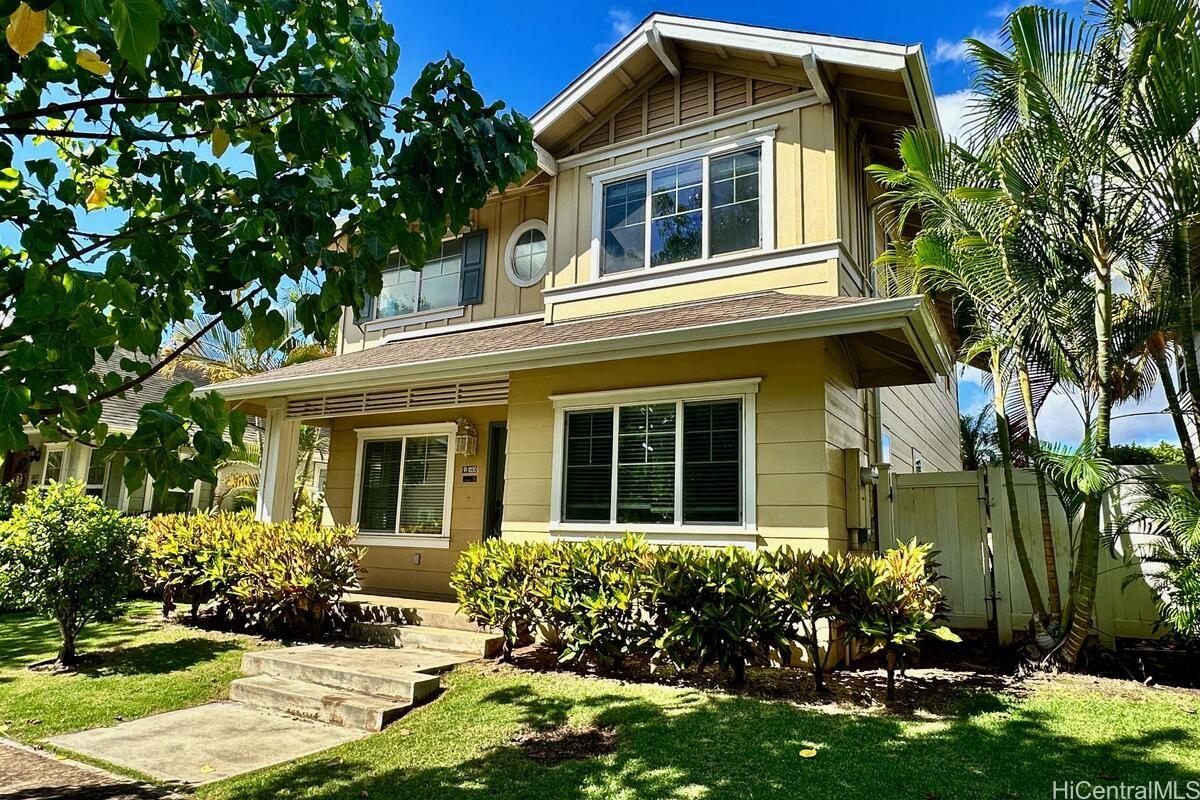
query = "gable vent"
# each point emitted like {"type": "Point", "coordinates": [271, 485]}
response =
{"type": "Point", "coordinates": [406, 398]}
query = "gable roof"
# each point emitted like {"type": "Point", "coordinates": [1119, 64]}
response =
{"type": "Point", "coordinates": [121, 412]}
{"type": "Point", "coordinates": [655, 42]}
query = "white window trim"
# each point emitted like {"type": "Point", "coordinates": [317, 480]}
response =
{"type": "Point", "coordinates": [510, 248]}
{"type": "Point", "coordinates": [765, 137]}
{"type": "Point", "coordinates": [744, 533]}
{"type": "Point", "coordinates": [379, 538]}
{"type": "Point", "coordinates": [417, 317]}
{"type": "Point", "coordinates": [47, 449]}
{"type": "Point", "coordinates": [103, 485]}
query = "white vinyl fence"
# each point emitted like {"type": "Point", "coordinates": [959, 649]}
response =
{"type": "Point", "coordinates": [965, 516]}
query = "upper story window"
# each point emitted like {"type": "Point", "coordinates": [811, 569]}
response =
{"type": "Point", "coordinates": [682, 212]}
{"type": "Point", "coordinates": [528, 253]}
{"type": "Point", "coordinates": [436, 285]}
{"type": "Point", "coordinates": [451, 278]}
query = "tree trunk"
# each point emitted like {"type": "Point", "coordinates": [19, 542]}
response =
{"type": "Point", "coordinates": [1054, 594]}
{"type": "Point", "coordinates": [891, 676]}
{"type": "Point", "coordinates": [1087, 561]}
{"type": "Point", "coordinates": [1181, 427]}
{"type": "Point", "coordinates": [1004, 440]}
{"type": "Point", "coordinates": [66, 652]}
{"type": "Point", "coordinates": [739, 671]}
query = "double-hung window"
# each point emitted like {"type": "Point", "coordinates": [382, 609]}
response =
{"type": "Point", "coordinates": [404, 480]}
{"type": "Point", "coordinates": [656, 459]}
{"type": "Point", "coordinates": [683, 211]}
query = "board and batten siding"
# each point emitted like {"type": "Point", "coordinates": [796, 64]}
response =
{"type": "Point", "coordinates": [393, 568]}
{"type": "Point", "coordinates": [501, 297]}
{"type": "Point", "coordinates": [796, 480]}
{"type": "Point", "coordinates": [805, 211]}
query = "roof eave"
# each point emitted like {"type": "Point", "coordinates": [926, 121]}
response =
{"type": "Point", "coordinates": [912, 314]}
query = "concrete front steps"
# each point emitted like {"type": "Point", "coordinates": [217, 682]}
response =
{"type": "Point", "coordinates": [362, 686]}
{"type": "Point", "coordinates": [421, 624]}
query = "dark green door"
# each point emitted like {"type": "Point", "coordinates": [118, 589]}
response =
{"type": "Point", "coordinates": [494, 508]}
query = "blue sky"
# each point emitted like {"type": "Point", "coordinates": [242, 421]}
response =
{"type": "Point", "coordinates": [526, 58]}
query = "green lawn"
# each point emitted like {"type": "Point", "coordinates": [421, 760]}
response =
{"type": "Point", "coordinates": [132, 667]}
{"type": "Point", "coordinates": [680, 743]}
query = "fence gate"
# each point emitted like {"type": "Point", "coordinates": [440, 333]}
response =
{"type": "Point", "coordinates": [948, 509]}
{"type": "Point", "coordinates": [965, 516]}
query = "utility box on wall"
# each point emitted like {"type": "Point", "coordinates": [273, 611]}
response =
{"type": "Point", "coordinates": [860, 478]}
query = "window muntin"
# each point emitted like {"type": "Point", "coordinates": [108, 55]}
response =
{"type": "Point", "coordinates": [403, 485]}
{"type": "Point", "coordinates": [97, 475]}
{"type": "Point", "coordinates": [690, 218]}
{"type": "Point", "coordinates": [529, 257]}
{"type": "Point", "coordinates": [677, 213]}
{"type": "Point", "coordinates": [625, 225]}
{"type": "Point", "coordinates": [52, 465]}
{"type": "Point", "coordinates": [734, 222]}
{"type": "Point", "coordinates": [434, 286]}
{"type": "Point", "coordinates": [658, 446]}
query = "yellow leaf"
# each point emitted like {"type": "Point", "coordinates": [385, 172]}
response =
{"type": "Point", "coordinates": [99, 196]}
{"type": "Point", "coordinates": [26, 29]}
{"type": "Point", "coordinates": [808, 752]}
{"type": "Point", "coordinates": [207, 768]}
{"type": "Point", "coordinates": [220, 142]}
{"type": "Point", "coordinates": [92, 62]}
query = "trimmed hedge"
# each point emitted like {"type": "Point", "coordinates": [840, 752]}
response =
{"type": "Point", "coordinates": [691, 607]}
{"type": "Point", "coordinates": [271, 577]}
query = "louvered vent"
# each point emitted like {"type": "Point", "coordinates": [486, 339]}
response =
{"type": "Point", "coordinates": [400, 399]}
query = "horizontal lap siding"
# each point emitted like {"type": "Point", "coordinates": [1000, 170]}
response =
{"type": "Point", "coordinates": [392, 568]}
{"type": "Point", "coordinates": [795, 480]}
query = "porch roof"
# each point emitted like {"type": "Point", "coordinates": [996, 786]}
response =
{"type": "Point", "coordinates": [892, 340]}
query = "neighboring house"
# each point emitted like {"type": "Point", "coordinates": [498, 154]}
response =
{"type": "Point", "coordinates": [670, 328]}
{"type": "Point", "coordinates": [45, 461]}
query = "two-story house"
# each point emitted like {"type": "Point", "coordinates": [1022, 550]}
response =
{"type": "Point", "coordinates": [670, 328]}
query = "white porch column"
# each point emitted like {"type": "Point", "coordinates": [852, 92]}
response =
{"type": "Point", "coordinates": [277, 467]}
{"type": "Point", "coordinates": [76, 460]}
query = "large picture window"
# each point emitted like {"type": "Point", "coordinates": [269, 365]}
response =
{"type": "Point", "coordinates": [683, 212]}
{"type": "Point", "coordinates": [404, 481]}
{"type": "Point", "coordinates": [655, 464]}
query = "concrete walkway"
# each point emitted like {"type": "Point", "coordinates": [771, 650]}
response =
{"type": "Point", "coordinates": [206, 743]}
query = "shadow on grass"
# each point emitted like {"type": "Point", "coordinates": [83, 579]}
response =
{"type": "Point", "coordinates": [728, 748]}
{"type": "Point", "coordinates": [154, 658]}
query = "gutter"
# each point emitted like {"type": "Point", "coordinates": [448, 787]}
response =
{"type": "Point", "coordinates": [912, 313]}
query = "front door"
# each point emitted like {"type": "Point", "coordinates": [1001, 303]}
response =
{"type": "Point", "coordinates": [494, 501]}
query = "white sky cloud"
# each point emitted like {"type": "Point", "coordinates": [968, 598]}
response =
{"type": "Point", "coordinates": [952, 111]}
{"type": "Point", "coordinates": [948, 51]}
{"type": "Point", "coordinates": [621, 21]}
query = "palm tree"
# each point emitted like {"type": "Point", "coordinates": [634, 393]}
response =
{"type": "Point", "coordinates": [223, 354]}
{"type": "Point", "coordinates": [978, 434]}
{"type": "Point", "coordinates": [1086, 134]}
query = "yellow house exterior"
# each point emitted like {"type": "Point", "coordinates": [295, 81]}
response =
{"type": "Point", "coordinates": [677, 332]}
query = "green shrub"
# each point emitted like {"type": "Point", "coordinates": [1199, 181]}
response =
{"type": "Point", "coordinates": [714, 606]}
{"type": "Point", "coordinates": [497, 586]}
{"type": "Point", "coordinates": [695, 606]}
{"type": "Point", "coordinates": [590, 595]}
{"type": "Point", "coordinates": [810, 592]}
{"type": "Point", "coordinates": [10, 495]}
{"type": "Point", "coordinates": [69, 556]}
{"type": "Point", "coordinates": [892, 601]}
{"type": "Point", "coordinates": [271, 577]}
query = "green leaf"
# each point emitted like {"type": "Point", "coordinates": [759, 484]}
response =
{"type": "Point", "coordinates": [135, 27]}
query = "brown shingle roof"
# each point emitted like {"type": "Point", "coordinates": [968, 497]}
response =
{"type": "Point", "coordinates": [526, 335]}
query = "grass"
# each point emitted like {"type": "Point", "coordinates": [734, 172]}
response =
{"type": "Point", "coordinates": [131, 667]}
{"type": "Point", "coordinates": [682, 743]}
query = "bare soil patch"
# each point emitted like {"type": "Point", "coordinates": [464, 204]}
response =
{"type": "Point", "coordinates": [566, 743]}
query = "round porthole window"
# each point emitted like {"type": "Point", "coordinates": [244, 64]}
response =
{"type": "Point", "coordinates": [528, 253]}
